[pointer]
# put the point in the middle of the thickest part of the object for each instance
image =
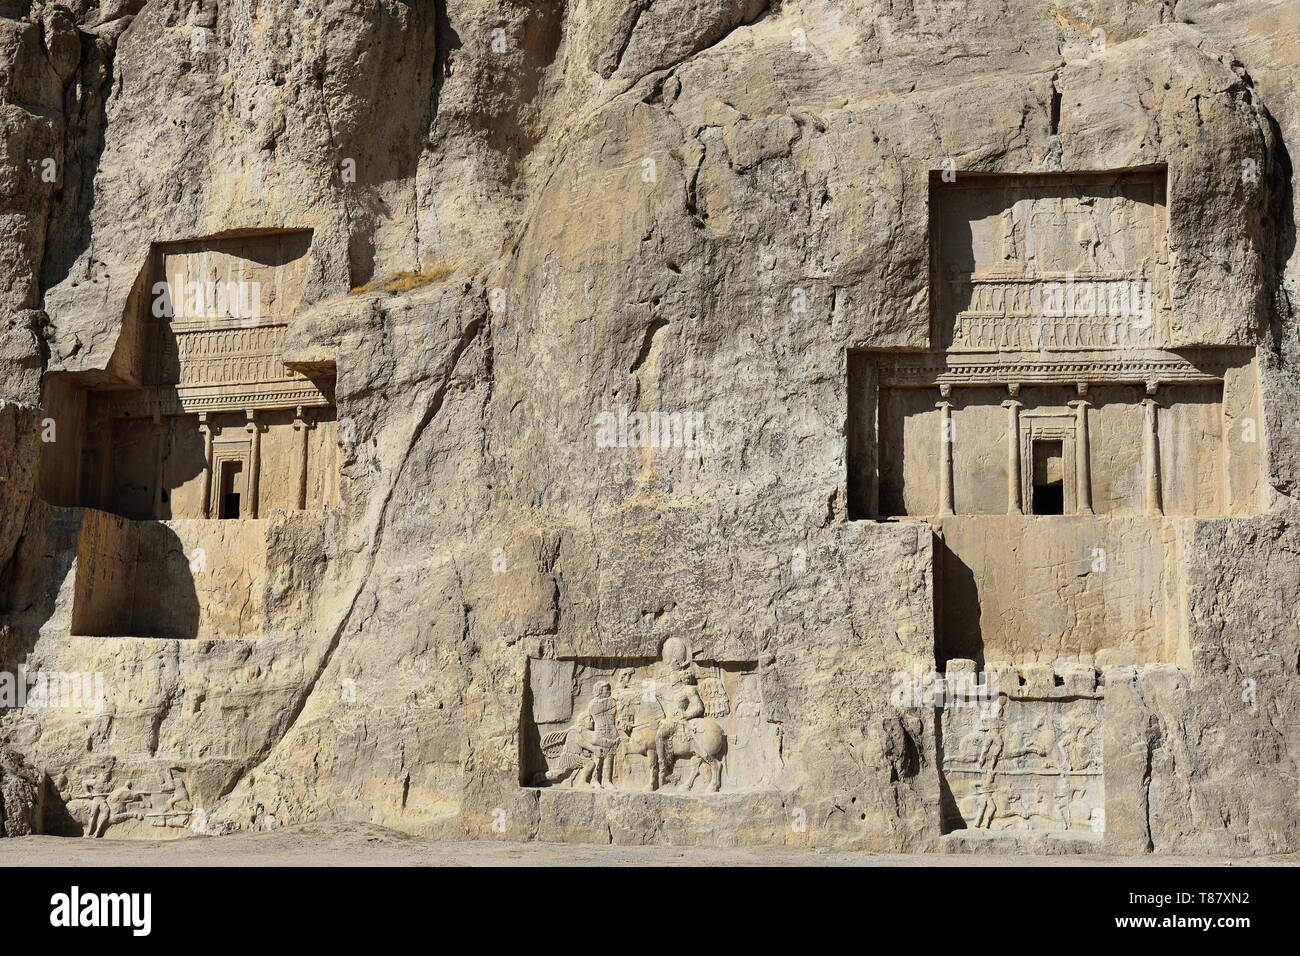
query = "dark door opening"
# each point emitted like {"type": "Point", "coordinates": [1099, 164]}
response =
{"type": "Point", "coordinates": [1049, 500]}
{"type": "Point", "coordinates": [1048, 478]}
{"type": "Point", "coordinates": [230, 488]}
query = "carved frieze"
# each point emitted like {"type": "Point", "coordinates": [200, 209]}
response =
{"type": "Point", "coordinates": [232, 355]}
{"type": "Point", "coordinates": [1206, 366]}
{"type": "Point", "coordinates": [141, 805]}
{"type": "Point", "coordinates": [1066, 262]}
{"type": "Point", "coordinates": [1031, 759]}
{"type": "Point", "coordinates": [144, 403]}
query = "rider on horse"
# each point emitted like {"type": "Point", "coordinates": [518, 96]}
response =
{"type": "Point", "coordinates": [676, 689]}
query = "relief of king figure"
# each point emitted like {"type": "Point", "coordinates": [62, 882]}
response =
{"type": "Point", "coordinates": [675, 719]}
{"type": "Point", "coordinates": [671, 718]}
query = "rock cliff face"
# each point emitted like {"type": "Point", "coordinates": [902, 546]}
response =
{"type": "Point", "coordinates": [544, 472]}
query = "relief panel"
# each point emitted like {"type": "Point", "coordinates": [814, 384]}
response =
{"type": "Point", "coordinates": [142, 805]}
{"type": "Point", "coordinates": [1031, 759]}
{"type": "Point", "coordinates": [674, 724]}
{"type": "Point", "coordinates": [1031, 263]}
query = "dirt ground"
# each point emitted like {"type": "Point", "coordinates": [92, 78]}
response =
{"type": "Point", "coordinates": [365, 845]}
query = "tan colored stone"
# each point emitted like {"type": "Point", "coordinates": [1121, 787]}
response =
{"type": "Point", "coordinates": [488, 231]}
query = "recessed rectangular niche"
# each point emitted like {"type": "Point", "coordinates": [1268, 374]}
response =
{"type": "Point", "coordinates": [601, 723]}
{"type": "Point", "coordinates": [175, 580]}
{"type": "Point", "coordinates": [231, 490]}
{"type": "Point", "coordinates": [215, 425]}
{"type": "Point", "coordinates": [1206, 440]}
{"type": "Point", "coordinates": [1048, 496]}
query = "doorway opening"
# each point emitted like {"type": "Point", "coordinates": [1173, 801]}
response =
{"type": "Point", "coordinates": [1048, 478]}
{"type": "Point", "coordinates": [231, 489]}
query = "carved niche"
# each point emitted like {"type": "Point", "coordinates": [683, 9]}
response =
{"type": "Point", "coordinates": [1050, 338]}
{"type": "Point", "coordinates": [219, 311]}
{"type": "Point", "coordinates": [673, 723]}
{"type": "Point", "coordinates": [218, 426]}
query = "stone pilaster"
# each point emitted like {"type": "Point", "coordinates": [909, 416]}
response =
{"type": "Point", "coordinates": [1082, 457]}
{"type": "Point", "coordinates": [1015, 506]}
{"type": "Point", "coordinates": [945, 450]}
{"type": "Point", "coordinates": [1152, 444]}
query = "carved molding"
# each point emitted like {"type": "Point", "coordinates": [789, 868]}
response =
{"type": "Point", "coordinates": [1038, 368]}
{"type": "Point", "coordinates": [186, 400]}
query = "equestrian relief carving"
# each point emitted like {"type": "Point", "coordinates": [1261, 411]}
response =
{"type": "Point", "coordinates": [676, 724]}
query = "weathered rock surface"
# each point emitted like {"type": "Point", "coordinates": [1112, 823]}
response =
{"type": "Point", "coordinates": [20, 797]}
{"type": "Point", "coordinates": [524, 217]}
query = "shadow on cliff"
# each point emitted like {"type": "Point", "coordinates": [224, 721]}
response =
{"type": "Point", "coordinates": [86, 118]}
{"type": "Point", "coordinates": [956, 609]}
{"type": "Point", "coordinates": [950, 817]}
{"type": "Point", "coordinates": [130, 579]}
{"type": "Point", "coordinates": [1281, 225]}
{"type": "Point", "coordinates": [383, 143]}
{"type": "Point", "coordinates": [140, 585]}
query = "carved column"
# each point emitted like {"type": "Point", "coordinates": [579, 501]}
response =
{"type": "Point", "coordinates": [1014, 504]}
{"type": "Point", "coordinates": [160, 461]}
{"type": "Point", "coordinates": [254, 460]}
{"type": "Point", "coordinates": [1082, 465]}
{"type": "Point", "coordinates": [1152, 443]}
{"type": "Point", "coordinates": [206, 429]}
{"type": "Point", "coordinates": [945, 450]}
{"type": "Point", "coordinates": [301, 425]}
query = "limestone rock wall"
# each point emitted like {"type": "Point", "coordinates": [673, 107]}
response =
{"type": "Point", "coordinates": [528, 220]}
{"type": "Point", "coordinates": [20, 797]}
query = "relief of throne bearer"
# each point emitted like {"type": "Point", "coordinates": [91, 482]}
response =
{"type": "Point", "coordinates": [675, 718]}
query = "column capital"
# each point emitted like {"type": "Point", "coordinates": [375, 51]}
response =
{"type": "Point", "coordinates": [1012, 403]}
{"type": "Point", "coordinates": [1078, 403]}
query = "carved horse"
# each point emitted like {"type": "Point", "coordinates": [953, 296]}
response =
{"type": "Point", "coordinates": [699, 737]}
